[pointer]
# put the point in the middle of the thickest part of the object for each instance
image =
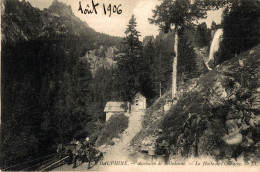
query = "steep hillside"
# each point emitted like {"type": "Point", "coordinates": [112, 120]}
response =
{"type": "Point", "coordinates": [217, 114]}
{"type": "Point", "coordinates": [22, 22]}
{"type": "Point", "coordinates": [14, 16]}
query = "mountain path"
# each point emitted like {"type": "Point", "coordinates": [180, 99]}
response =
{"type": "Point", "coordinates": [120, 152]}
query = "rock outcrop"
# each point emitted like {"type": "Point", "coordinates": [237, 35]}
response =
{"type": "Point", "coordinates": [101, 58]}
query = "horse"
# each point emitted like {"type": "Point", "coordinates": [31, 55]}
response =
{"type": "Point", "coordinates": [87, 155]}
{"type": "Point", "coordinates": [66, 150]}
{"type": "Point", "coordinates": [77, 157]}
{"type": "Point", "coordinates": [94, 155]}
{"type": "Point", "coordinates": [97, 155]}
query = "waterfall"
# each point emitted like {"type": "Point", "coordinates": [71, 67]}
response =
{"type": "Point", "coordinates": [214, 45]}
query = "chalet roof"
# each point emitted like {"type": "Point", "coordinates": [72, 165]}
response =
{"type": "Point", "coordinates": [138, 95]}
{"type": "Point", "coordinates": [114, 107]}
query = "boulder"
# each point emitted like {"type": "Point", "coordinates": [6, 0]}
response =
{"type": "Point", "coordinates": [233, 138]}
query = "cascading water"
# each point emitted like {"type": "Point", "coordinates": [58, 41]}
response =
{"type": "Point", "coordinates": [214, 45]}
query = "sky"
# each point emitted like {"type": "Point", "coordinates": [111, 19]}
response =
{"type": "Point", "coordinates": [116, 24]}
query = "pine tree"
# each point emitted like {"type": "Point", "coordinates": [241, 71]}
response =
{"type": "Point", "coordinates": [131, 40]}
{"type": "Point", "coordinates": [128, 64]}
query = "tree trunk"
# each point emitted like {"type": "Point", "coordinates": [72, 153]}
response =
{"type": "Point", "coordinates": [160, 89]}
{"type": "Point", "coordinates": [160, 66]}
{"type": "Point", "coordinates": [174, 65]}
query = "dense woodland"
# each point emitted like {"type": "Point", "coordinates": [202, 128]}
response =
{"type": "Point", "coordinates": [48, 91]}
{"type": "Point", "coordinates": [49, 95]}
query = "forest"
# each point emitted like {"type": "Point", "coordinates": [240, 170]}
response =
{"type": "Point", "coordinates": [49, 95]}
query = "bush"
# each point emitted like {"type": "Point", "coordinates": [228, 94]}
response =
{"type": "Point", "coordinates": [115, 126]}
{"type": "Point", "coordinates": [172, 123]}
{"type": "Point", "coordinates": [155, 110]}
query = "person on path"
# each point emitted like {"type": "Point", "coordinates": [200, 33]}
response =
{"type": "Point", "coordinates": [86, 149]}
{"type": "Point", "coordinates": [76, 153]}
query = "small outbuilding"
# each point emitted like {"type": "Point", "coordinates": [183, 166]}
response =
{"type": "Point", "coordinates": [139, 102]}
{"type": "Point", "coordinates": [113, 108]}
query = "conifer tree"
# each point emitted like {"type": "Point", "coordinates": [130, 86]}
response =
{"type": "Point", "coordinates": [128, 81]}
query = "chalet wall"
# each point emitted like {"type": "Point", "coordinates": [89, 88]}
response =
{"type": "Point", "coordinates": [139, 103]}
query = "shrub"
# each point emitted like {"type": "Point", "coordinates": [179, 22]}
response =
{"type": "Point", "coordinates": [155, 110]}
{"type": "Point", "coordinates": [114, 126]}
{"type": "Point", "coordinates": [172, 123]}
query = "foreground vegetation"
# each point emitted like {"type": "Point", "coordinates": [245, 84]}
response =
{"type": "Point", "coordinates": [114, 126]}
{"type": "Point", "coordinates": [213, 111]}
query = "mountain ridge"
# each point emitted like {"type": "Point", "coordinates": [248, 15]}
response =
{"type": "Point", "coordinates": [22, 22]}
{"type": "Point", "coordinates": [60, 8]}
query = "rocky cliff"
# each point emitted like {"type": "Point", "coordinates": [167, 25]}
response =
{"type": "Point", "coordinates": [22, 22]}
{"type": "Point", "coordinates": [101, 57]}
{"type": "Point", "coordinates": [217, 114]}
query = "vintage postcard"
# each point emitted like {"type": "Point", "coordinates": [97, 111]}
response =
{"type": "Point", "coordinates": [120, 85]}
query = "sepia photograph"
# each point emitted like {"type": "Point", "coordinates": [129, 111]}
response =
{"type": "Point", "coordinates": [130, 85]}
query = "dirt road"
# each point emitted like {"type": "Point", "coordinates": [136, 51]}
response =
{"type": "Point", "coordinates": [120, 155]}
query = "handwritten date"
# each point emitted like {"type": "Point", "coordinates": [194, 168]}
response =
{"type": "Point", "coordinates": [109, 9]}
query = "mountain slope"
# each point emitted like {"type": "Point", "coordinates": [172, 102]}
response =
{"type": "Point", "coordinates": [218, 114]}
{"type": "Point", "coordinates": [22, 22]}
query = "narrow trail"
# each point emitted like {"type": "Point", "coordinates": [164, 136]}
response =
{"type": "Point", "coordinates": [120, 152]}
